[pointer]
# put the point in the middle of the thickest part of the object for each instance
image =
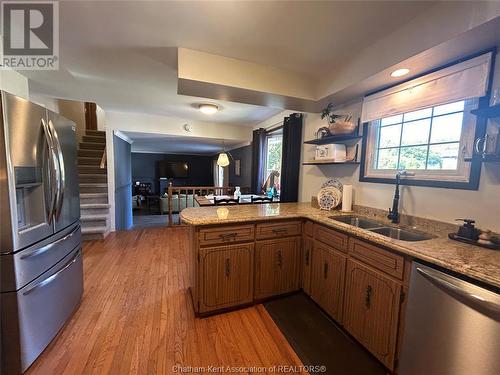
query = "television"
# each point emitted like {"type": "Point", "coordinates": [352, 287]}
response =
{"type": "Point", "coordinates": [173, 169]}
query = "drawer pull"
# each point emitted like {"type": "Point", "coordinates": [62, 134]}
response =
{"type": "Point", "coordinates": [228, 236]}
{"type": "Point", "coordinates": [51, 278]}
{"type": "Point", "coordinates": [325, 270]}
{"type": "Point", "coordinates": [46, 248]}
{"type": "Point", "coordinates": [280, 230]}
{"type": "Point", "coordinates": [368, 296]}
{"type": "Point", "coordinates": [228, 267]}
{"type": "Point", "coordinates": [280, 258]}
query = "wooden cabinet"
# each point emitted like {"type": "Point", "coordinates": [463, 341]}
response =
{"type": "Point", "coordinates": [277, 267]}
{"type": "Point", "coordinates": [328, 279]}
{"type": "Point", "coordinates": [331, 237]}
{"type": "Point", "coordinates": [371, 310]}
{"type": "Point", "coordinates": [226, 276]}
{"type": "Point", "coordinates": [357, 283]}
{"type": "Point", "coordinates": [278, 229]}
{"type": "Point", "coordinates": [308, 228]}
{"type": "Point", "coordinates": [224, 235]}
{"type": "Point", "coordinates": [376, 257]}
{"type": "Point", "coordinates": [307, 250]}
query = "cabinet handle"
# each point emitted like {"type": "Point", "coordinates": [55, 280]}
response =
{"type": "Point", "coordinates": [280, 258]}
{"type": "Point", "coordinates": [325, 270]}
{"type": "Point", "coordinates": [368, 296]}
{"type": "Point", "coordinates": [227, 236]}
{"type": "Point", "coordinates": [307, 257]}
{"type": "Point", "coordinates": [228, 267]}
{"type": "Point", "coordinates": [280, 230]}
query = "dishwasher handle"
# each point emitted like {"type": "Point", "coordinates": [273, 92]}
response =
{"type": "Point", "coordinates": [473, 296]}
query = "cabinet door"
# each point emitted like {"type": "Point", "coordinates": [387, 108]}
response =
{"type": "Point", "coordinates": [277, 267]}
{"type": "Point", "coordinates": [372, 310]}
{"type": "Point", "coordinates": [307, 248]}
{"type": "Point", "coordinates": [226, 276]}
{"type": "Point", "coordinates": [328, 279]}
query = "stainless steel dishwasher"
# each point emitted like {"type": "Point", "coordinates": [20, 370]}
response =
{"type": "Point", "coordinates": [452, 326]}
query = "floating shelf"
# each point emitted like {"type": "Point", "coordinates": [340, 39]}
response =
{"type": "Point", "coordinates": [333, 139]}
{"type": "Point", "coordinates": [485, 159]}
{"type": "Point", "coordinates": [328, 162]}
{"type": "Point", "coordinates": [489, 112]}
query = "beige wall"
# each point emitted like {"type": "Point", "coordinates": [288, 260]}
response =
{"type": "Point", "coordinates": [75, 111]}
{"type": "Point", "coordinates": [14, 83]}
{"type": "Point", "coordinates": [441, 204]}
{"type": "Point", "coordinates": [141, 122]}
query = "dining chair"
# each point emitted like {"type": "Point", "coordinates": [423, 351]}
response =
{"type": "Point", "coordinates": [261, 199]}
{"type": "Point", "coordinates": [226, 201]}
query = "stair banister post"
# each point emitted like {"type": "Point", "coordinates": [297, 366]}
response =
{"type": "Point", "coordinates": [170, 203]}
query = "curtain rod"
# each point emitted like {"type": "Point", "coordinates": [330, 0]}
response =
{"type": "Point", "coordinates": [274, 126]}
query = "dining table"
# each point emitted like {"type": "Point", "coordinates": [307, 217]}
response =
{"type": "Point", "coordinates": [208, 200]}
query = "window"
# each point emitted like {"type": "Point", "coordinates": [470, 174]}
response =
{"type": "Point", "coordinates": [425, 126]}
{"type": "Point", "coordinates": [273, 152]}
{"type": "Point", "coordinates": [427, 139]}
{"type": "Point", "coordinates": [220, 175]}
{"type": "Point", "coordinates": [431, 143]}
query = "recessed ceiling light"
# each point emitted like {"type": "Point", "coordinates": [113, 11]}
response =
{"type": "Point", "coordinates": [400, 72]}
{"type": "Point", "coordinates": [208, 109]}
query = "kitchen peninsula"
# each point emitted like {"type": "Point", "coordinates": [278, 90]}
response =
{"type": "Point", "coordinates": [241, 255]}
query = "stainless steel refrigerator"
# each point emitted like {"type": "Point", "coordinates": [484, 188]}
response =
{"type": "Point", "coordinates": [40, 239]}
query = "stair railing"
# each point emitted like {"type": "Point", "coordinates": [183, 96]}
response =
{"type": "Point", "coordinates": [102, 165]}
{"type": "Point", "coordinates": [186, 194]}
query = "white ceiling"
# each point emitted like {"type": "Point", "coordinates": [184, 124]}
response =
{"type": "Point", "coordinates": [122, 54]}
{"type": "Point", "coordinates": [168, 144]}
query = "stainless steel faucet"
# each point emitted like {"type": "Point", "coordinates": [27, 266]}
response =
{"type": "Point", "coordinates": [394, 212]}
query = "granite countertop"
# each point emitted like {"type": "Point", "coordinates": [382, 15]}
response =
{"type": "Point", "coordinates": [473, 261]}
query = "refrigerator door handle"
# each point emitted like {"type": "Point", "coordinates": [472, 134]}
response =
{"type": "Point", "coordinates": [51, 278]}
{"type": "Point", "coordinates": [60, 164]}
{"type": "Point", "coordinates": [53, 170]}
{"type": "Point", "coordinates": [455, 287]}
{"type": "Point", "coordinates": [46, 248]}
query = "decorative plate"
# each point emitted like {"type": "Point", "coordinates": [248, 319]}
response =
{"type": "Point", "coordinates": [329, 198]}
{"type": "Point", "coordinates": [326, 201]}
{"type": "Point", "coordinates": [333, 182]}
{"type": "Point", "coordinates": [335, 192]}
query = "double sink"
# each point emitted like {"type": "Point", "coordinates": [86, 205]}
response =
{"type": "Point", "coordinates": [383, 229]}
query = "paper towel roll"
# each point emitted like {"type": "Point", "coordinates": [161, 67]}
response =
{"type": "Point", "coordinates": [347, 198]}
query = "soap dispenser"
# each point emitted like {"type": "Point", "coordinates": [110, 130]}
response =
{"type": "Point", "coordinates": [468, 230]}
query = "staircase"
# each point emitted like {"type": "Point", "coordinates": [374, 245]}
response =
{"type": "Point", "coordinates": [94, 207]}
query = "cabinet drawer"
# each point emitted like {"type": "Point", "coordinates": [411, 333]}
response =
{"type": "Point", "coordinates": [225, 235]}
{"type": "Point", "coordinates": [331, 237]}
{"type": "Point", "coordinates": [309, 228]}
{"type": "Point", "coordinates": [276, 230]}
{"type": "Point", "coordinates": [381, 259]}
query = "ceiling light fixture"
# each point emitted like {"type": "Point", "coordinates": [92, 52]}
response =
{"type": "Point", "coordinates": [208, 109]}
{"type": "Point", "coordinates": [223, 160]}
{"type": "Point", "coordinates": [400, 72]}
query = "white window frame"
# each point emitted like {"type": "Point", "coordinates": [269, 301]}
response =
{"type": "Point", "coordinates": [277, 134]}
{"type": "Point", "coordinates": [463, 172]}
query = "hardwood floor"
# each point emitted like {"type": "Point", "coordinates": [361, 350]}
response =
{"type": "Point", "coordinates": [136, 316]}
